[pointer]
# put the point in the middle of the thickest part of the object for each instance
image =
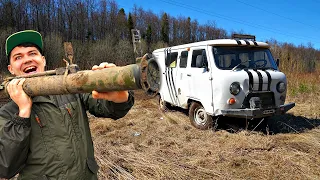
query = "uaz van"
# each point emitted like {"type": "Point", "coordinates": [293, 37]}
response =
{"type": "Point", "coordinates": [224, 77]}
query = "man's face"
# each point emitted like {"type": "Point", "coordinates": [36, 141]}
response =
{"type": "Point", "coordinates": [26, 60]}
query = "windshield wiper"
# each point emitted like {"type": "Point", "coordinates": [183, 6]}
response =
{"type": "Point", "coordinates": [239, 65]}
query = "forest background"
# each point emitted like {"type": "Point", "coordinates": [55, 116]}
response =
{"type": "Point", "coordinates": [100, 31]}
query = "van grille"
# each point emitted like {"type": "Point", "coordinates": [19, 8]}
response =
{"type": "Point", "coordinates": [259, 100]}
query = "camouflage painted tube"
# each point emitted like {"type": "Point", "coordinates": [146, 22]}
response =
{"type": "Point", "coordinates": [144, 75]}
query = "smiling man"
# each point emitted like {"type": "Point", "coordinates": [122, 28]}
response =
{"type": "Point", "coordinates": [48, 137]}
{"type": "Point", "coordinates": [25, 45]}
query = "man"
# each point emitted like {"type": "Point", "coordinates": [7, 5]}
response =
{"type": "Point", "coordinates": [48, 137]}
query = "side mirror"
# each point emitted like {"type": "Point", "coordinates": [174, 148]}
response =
{"type": "Point", "coordinates": [278, 62]}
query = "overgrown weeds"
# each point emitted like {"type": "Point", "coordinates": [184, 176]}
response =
{"type": "Point", "coordinates": [303, 83]}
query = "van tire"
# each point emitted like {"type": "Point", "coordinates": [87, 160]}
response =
{"type": "Point", "coordinates": [199, 117]}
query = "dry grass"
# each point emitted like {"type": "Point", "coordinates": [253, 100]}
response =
{"type": "Point", "coordinates": [303, 83]}
{"type": "Point", "coordinates": [304, 90]}
{"type": "Point", "coordinates": [149, 144]}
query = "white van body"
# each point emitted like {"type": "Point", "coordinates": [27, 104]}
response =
{"type": "Point", "coordinates": [237, 78]}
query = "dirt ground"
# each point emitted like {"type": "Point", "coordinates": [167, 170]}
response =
{"type": "Point", "coordinates": [150, 144]}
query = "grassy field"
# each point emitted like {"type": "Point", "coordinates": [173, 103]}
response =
{"type": "Point", "coordinates": [150, 144]}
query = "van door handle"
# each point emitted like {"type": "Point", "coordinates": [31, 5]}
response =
{"type": "Point", "coordinates": [189, 75]}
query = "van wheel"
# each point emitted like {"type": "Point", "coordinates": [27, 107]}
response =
{"type": "Point", "coordinates": [199, 117]}
{"type": "Point", "coordinates": [164, 106]}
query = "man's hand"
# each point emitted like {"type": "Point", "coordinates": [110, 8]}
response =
{"type": "Point", "coordinates": [17, 94]}
{"type": "Point", "coordinates": [115, 96]}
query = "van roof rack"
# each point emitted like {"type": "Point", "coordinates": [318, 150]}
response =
{"type": "Point", "coordinates": [243, 36]}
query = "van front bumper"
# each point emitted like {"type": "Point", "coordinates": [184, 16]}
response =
{"type": "Point", "coordinates": [257, 113]}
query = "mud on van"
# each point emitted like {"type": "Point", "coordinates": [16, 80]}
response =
{"type": "Point", "coordinates": [224, 77]}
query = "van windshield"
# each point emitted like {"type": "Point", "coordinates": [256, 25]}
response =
{"type": "Point", "coordinates": [227, 58]}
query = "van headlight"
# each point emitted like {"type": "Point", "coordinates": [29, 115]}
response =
{"type": "Point", "coordinates": [235, 88]}
{"type": "Point", "coordinates": [281, 87]}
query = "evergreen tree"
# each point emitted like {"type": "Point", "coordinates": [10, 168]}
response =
{"type": "Point", "coordinates": [122, 24]}
{"type": "Point", "coordinates": [165, 28]}
{"type": "Point", "coordinates": [130, 25]}
{"type": "Point", "coordinates": [149, 36]}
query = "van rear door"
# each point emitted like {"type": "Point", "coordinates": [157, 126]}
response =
{"type": "Point", "coordinates": [169, 87]}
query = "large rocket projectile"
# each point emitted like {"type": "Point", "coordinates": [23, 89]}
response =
{"type": "Point", "coordinates": [143, 75]}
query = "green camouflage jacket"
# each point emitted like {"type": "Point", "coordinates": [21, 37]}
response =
{"type": "Point", "coordinates": [55, 142]}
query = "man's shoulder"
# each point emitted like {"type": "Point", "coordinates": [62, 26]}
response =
{"type": "Point", "coordinates": [9, 104]}
{"type": "Point", "coordinates": [9, 108]}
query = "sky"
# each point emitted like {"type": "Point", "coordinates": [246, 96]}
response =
{"type": "Point", "coordinates": [291, 21]}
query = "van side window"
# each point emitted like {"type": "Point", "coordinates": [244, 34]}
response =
{"type": "Point", "coordinates": [171, 60]}
{"type": "Point", "coordinates": [199, 59]}
{"type": "Point", "coordinates": [183, 59]}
